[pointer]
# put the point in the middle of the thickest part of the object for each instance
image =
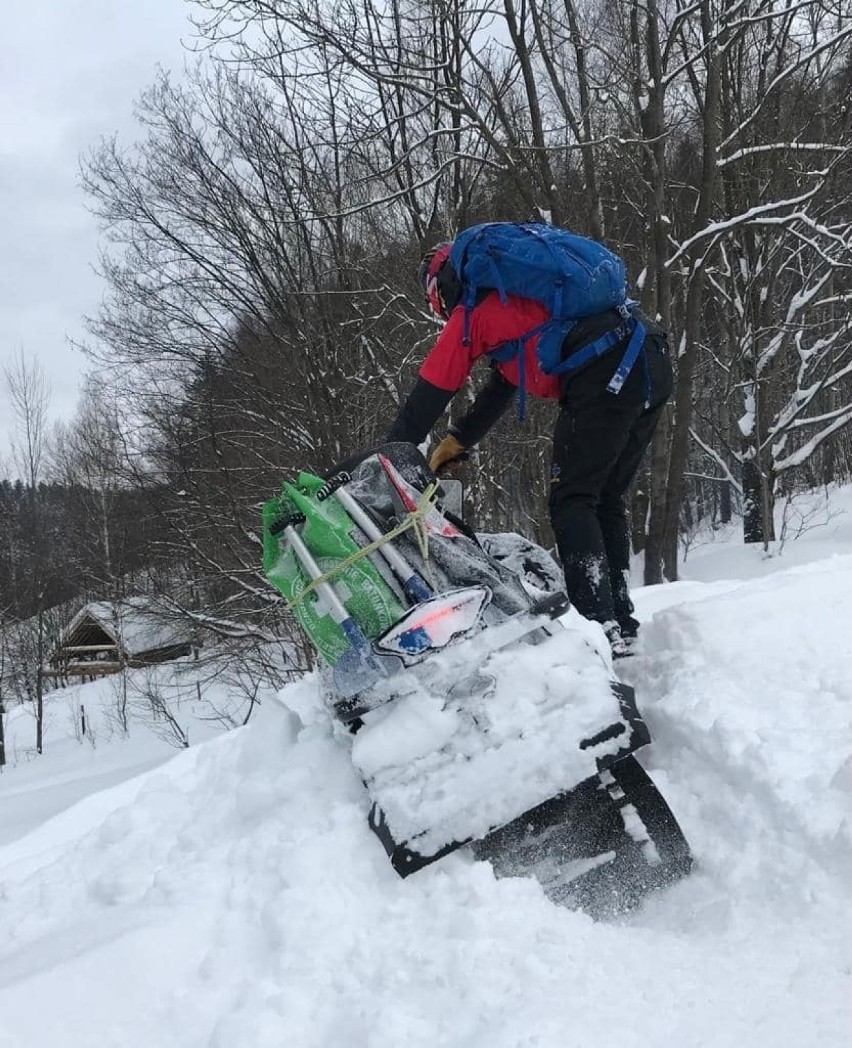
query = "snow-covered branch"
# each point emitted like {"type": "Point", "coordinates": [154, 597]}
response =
{"type": "Point", "coordinates": [717, 458]}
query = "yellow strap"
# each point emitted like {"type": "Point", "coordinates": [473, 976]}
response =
{"type": "Point", "coordinates": [412, 520]}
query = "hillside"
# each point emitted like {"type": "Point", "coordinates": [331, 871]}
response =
{"type": "Point", "coordinates": [233, 894]}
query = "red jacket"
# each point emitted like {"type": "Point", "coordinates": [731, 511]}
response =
{"type": "Point", "coordinates": [492, 324]}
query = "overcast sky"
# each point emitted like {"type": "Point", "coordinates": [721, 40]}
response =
{"type": "Point", "coordinates": [70, 71]}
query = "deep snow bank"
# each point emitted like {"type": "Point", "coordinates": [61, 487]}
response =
{"type": "Point", "coordinates": [755, 681]}
{"type": "Point", "coordinates": [77, 763]}
{"type": "Point", "coordinates": [235, 896]}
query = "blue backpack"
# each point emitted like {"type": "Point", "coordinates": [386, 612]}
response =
{"type": "Point", "coordinates": [572, 277]}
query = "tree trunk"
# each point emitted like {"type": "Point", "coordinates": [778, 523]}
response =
{"type": "Point", "coordinates": [656, 516]}
{"type": "Point", "coordinates": [829, 455]}
{"type": "Point", "coordinates": [767, 507]}
{"type": "Point", "coordinates": [40, 678]}
{"type": "Point", "coordinates": [653, 122]}
{"type": "Point", "coordinates": [725, 502]}
{"type": "Point", "coordinates": [680, 433]}
{"type": "Point", "coordinates": [752, 503]}
{"type": "Point", "coordinates": [692, 321]}
{"type": "Point", "coordinates": [639, 513]}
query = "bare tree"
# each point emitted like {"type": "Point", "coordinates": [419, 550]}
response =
{"type": "Point", "coordinates": [263, 315]}
{"type": "Point", "coordinates": [29, 394]}
{"type": "Point", "coordinates": [4, 660]}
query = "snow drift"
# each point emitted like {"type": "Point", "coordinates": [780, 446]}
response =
{"type": "Point", "coordinates": [235, 895]}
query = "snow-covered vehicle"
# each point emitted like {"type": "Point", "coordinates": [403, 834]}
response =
{"type": "Point", "coordinates": [483, 714]}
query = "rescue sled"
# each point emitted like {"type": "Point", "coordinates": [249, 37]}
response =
{"type": "Point", "coordinates": [482, 712]}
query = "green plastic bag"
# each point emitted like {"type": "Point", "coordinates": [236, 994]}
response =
{"type": "Point", "coordinates": [327, 532]}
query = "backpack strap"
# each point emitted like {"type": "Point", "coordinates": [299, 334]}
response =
{"type": "Point", "coordinates": [494, 281]}
{"type": "Point", "coordinates": [559, 283]}
{"type": "Point", "coordinates": [592, 350]}
{"type": "Point", "coordinates": [516, 348]}
{"type": "Point", "coordinates": [635, 348]}
{"type": "Point", "coordinates": [631, 353]}
{"type": "Point", "coordinates": [509, 351]}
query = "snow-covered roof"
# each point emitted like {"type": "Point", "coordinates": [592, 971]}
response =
{"type": "Point", "coordinates": [139, 624]}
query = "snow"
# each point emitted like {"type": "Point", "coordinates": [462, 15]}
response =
{"type": "Point", "coordinates": [136, 619]}
{"type": "Point", "coordinates": [233, 894]}
{"type": "Point", "coordinates": [810, 527]}
{"type": "Point", "coordinates": [746, 423]}
{"type": "Point", "coordinates": [439, 770]}
{"type": "Point", "coordinates": [758, 702]}
{"type": "Point", "coordinates": [74, 767]}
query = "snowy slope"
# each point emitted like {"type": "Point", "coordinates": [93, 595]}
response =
{"type": "Point", "coordinates": [75, 763]}
{"type": "Point", "coordinates": [234, 895]}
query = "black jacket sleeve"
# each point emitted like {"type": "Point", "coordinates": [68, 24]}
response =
{"type": "Point", "coordinates": [422, 409]}
{"type": "Point", "coordinates": [488, 406]}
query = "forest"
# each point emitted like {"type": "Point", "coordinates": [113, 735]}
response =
{"type": "Point", "coordinates": [260, 244]}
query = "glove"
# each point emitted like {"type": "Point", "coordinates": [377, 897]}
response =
{"type": "Point", "coordinates": [448, 455]}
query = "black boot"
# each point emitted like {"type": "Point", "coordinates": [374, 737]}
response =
{"type": "Point", "coordinates": [629, 627]}
{"type": "Point", "coordinates": [619, 647]}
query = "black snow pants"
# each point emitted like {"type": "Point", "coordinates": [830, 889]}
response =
{"type": "Point", "coordinates": [598, 444]}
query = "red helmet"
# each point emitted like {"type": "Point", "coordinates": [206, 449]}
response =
{"type": "Point", "coordinates": [429, 271]}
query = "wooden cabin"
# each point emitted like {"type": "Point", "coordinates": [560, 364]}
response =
{"type": "Point", "coordinates": [109, 636]}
